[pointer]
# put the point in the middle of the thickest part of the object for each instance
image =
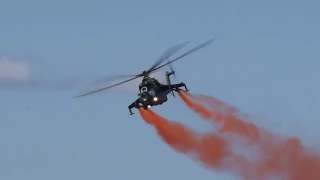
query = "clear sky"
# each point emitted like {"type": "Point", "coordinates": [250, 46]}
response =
{"type": "Point", "coordinates": [265, 61]}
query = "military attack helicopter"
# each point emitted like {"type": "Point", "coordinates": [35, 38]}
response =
{"type": "Point", "coordinates": [151, 91]}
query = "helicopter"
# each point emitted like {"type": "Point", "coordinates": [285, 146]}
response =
{"type": "Point", "coordinates": [151, 91]}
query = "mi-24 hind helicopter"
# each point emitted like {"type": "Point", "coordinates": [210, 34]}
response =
{"type": "Point", "coordinates": [151, 92]}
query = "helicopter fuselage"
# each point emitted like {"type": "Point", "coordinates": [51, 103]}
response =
{"type": "Point", "coordinates": [152, 92]}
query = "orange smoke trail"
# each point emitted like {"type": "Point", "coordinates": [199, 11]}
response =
{"type": "Point", "coordinates": [277, 156]}
{"type": "Point", "coordinates": [212, 150]}
{"type": "Point", "coordinates": [184, 140]}
{"type": "Point", "coordinates": [220, 113]}
{"type": "Point", "coordinates": [171, 132]}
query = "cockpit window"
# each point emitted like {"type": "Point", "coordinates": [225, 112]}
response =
{"type": "Point", "coordinates": [149, 83]}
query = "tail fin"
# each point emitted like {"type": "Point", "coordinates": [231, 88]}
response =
{"type": "Point", "coordinates": [169, 82]}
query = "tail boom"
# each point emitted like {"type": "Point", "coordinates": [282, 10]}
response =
{"type": "Point", "coordinates": [174, 87]}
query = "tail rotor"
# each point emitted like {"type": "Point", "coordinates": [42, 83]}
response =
{"type": "Point", "coordinates": [173, 71]}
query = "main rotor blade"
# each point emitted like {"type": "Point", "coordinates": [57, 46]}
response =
{"type": "Point", "coordinates": [98, 90]}
{"type": "Point", "coordinates": [109, 78]}
{"type": "Point", "coordinates": [188, 52]}
{"type": "Point", "coordinates": [169, 52]}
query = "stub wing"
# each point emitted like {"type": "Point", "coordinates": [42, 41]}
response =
{"type": "Point", "coordinates": [134, 104]}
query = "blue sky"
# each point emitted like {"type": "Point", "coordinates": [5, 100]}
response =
{"type": "Point", "coordinates": [264, 61]}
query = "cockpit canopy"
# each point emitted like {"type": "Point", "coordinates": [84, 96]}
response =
{"type": "Point", "coordinates": [150, 85]}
